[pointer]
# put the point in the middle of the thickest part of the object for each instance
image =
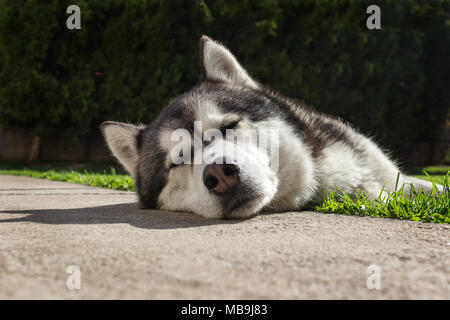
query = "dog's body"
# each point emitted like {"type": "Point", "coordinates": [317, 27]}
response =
{"type": "Point", "coordinates": [315, 153]}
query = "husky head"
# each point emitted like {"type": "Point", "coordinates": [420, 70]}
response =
{"type": "Point", "coordinates": [185, 159]}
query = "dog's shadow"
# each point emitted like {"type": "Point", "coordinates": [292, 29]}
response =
{"type": "Point", "coordinates": [129, 213]}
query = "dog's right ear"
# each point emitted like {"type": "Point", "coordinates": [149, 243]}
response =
{"type": "Point", "coordinates": [122, 141]}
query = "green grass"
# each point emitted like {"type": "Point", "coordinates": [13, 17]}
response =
{"type": "Point", "coordinates": [421, 207]}
{"type": "Point", "coordinates": [111, 180]}
{"type": "Point", "coordinates": [418, 206]}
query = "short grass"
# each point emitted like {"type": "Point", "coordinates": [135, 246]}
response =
{"type": "Point", "coordinates": [418, 206]}
{"type": "Point", "coordinates": [95, 175]}
{"type": "Point", "coordinates": [421, 207]}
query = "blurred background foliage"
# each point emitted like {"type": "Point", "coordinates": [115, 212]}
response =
{"type": "Point", "coordinates": [131, 57]}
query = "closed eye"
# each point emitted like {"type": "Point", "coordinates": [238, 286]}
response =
{"type": "Point", "coordinates": [229, 126]}
{"type": "Point", "coordinates": [174, 165]}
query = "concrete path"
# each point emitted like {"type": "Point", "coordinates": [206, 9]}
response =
{"type": "Point", "coordinates": [127, 253]}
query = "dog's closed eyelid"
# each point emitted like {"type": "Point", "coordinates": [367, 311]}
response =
{"type": "Point", "coordinates": [182, 164]}
{"type": "Point", "coordinates": [230, 125]}
{"type": "Point", "coordinates": [174, 165]}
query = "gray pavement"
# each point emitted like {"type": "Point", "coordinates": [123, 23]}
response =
{"type": "Point", "coordinates": [124, 252]}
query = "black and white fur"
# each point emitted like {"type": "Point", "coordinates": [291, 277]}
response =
{"type": "Point", "coordinates": [316, 152]}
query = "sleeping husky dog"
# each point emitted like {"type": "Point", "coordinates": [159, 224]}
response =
{"type": "Point", "coordinates": [185, 160]}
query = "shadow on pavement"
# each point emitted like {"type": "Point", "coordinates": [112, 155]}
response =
{"type": "Point", "coordinates": [121, 213]}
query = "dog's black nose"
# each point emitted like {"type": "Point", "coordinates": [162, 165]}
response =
{"type": "Point", "coordinates": [221, 178]}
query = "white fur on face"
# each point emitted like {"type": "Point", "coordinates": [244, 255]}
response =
{"type": "Point", "coordinates": [255, 173]}
{"type": "Point", "coordinates": [185, 190]}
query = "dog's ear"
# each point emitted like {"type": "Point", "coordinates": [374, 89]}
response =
{"type": "Point", "coordinates": [122, 140]}
{"type": "Point", "coordinates": [219, 64]}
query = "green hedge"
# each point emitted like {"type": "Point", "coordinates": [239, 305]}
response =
{"type": "Point", "coordinates": [131, 57]}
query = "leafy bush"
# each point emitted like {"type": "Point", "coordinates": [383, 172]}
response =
{"type": "Point", "coordinates": [131, 57]}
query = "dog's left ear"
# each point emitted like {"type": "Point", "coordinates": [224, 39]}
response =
{"type": "Point", "coordinates": [219, 64]}
{"type": "Point", "coordinates": [122, 140]}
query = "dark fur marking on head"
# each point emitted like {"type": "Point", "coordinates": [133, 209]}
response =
{"type": "Point", "coordinates": [316, 129]}
{"type": "Point", "coordinates": [139, 140]}
{"type": "Point", "coordinates": [152, 173]}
